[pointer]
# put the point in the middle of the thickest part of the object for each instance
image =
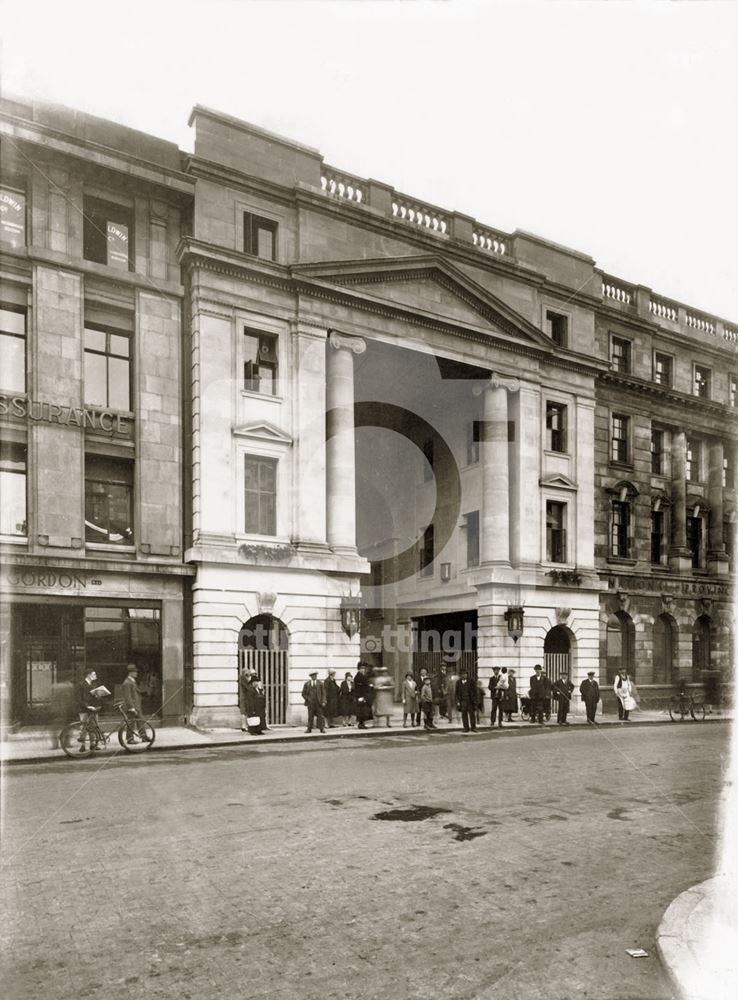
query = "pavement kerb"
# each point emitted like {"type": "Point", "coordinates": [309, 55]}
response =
{"type": "Point", "coordinates": [674, 937]}
{"type": "Point", "coordinates": [207, 741]}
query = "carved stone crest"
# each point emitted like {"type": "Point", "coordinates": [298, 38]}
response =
{"type": "Point", "coordinates": [562, 614]}
{"type": "Point", "coordinates": [623, 600]}
{"type": "Point", "coordinates": [667, 604]}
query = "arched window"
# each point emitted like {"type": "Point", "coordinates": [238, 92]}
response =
{"type": "Point", "coordinates": [664, 645]}
{"type": "Point", "coordinates": [620, 645]}
{"type": "Point", "coordinates": [701, 642]}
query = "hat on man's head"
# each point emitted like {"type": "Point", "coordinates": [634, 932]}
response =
{"type": "Point", "coordinates": [132, 668]}
{"type": "Point", "coordinates": [331, 672]}
{"type": "Point", "coordinates": [313, 673]}
{"type": "Point", "coordinates": [590, 673]}
{"type": "Point", "coordinates": [495, 668]}
{"type": "Point", "coordinates": [538, 667]}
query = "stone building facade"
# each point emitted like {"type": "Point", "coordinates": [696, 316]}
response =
{"type": "Point", "coordinates": [665, 452]}
{"type": "Point", "coordinates": [375, 390]}
{"type": "Point", "coordinates": [90, 411]}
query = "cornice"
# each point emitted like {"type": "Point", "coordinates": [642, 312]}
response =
{"type": "Point", "coordinates": [56, 141]}
{"type": "Point", "coordinates": [199, 167]}
{"type": "Point", "coordinates": [195, 253]}
{"type": "Point", "coordinates": [681, 342]}
{"type": "Point", "coordinates": [642, 387]}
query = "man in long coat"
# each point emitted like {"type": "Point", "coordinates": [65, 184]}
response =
{"type": "Point", "coordinates": [332, 692]}
{"type": "Point", "coordinates": [562, 689]}
{"type": "Point", "coordinates": [467, 699]}
{"type": "Point", "coordinates": [313, 694]}
{"type": "Point", "coordinates": [540, 691]}
{"type": "Point", "coordinates": [364, 692]}
{"type": "Point", "coordinates": [590, 692]}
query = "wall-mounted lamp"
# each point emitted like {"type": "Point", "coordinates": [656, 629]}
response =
{"type": "Point", "coordinates": [351, 614]}
{"type": "Point", "coordinates": [445, 572]}
{"type": "Point", "coordinates": [514, 618]}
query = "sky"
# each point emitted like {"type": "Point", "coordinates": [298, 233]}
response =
{"type": "Point", "coordinates": [607, 127]}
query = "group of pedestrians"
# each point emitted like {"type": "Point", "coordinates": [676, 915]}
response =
{"type": "Point", "coordinates": [367, 696]}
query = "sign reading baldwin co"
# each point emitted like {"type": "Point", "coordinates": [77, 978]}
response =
{"type": "Point", "coordinates": [54, 413]}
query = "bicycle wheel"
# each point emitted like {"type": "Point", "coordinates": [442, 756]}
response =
{"type": "Point", "coordinates": [136, 736]}
{"type": "Point", "coordinates": [676, 710]}
{"type": "Point", "coordinates": [74, 742]}
{"type": "Point", "coordinates": [697, 711]}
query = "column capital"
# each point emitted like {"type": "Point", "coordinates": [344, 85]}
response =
{"type": "Point", "coordinates": [341, 341]}
{"type": "Point", "coordinates": [498, 382]}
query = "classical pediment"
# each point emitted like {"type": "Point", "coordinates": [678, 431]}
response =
{"type": "Point", "coordinates": [262, 431]}
{"type": "Point", "coordinates": [558, 481]}
{"type": "Point", "coordinates": [428, 287]}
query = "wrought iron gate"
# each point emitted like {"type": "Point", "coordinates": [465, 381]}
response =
{"type": "Point", "coordinates": [271, 666]}
{"type": "Point", "coordinates": [556, 664]}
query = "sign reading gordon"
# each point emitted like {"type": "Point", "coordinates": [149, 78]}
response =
{"type": "Point", "coordinates": [54, 413]}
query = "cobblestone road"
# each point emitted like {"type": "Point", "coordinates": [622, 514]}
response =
{"type": "Point", "coordinates": [251, 872]}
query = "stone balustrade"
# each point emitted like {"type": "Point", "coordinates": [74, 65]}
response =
{"type": "Point", "coordinates": [342, 185]}
{"type": "Point", "coordinates": [700, 322]}
{"type": "Point", "coordinates": [419, 215]}
{"type": "Point", "coordinates": [616, 290]}
{"type": "Point", "coordinates": [490, 240]}
{"type": "Point", "coordinates": [382, 198]}
{"type": "Point", "coordinates": [662, 309]}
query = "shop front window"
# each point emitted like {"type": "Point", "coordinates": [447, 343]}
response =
{"type": "Point", "coordinates": [117, 636]}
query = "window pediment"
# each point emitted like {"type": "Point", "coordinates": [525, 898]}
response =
{"type": "Point", "coordinates": [558, 481]}
{"type": "Point", "coordinates": [262, 431]}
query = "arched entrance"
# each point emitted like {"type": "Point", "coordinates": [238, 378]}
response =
{"type": "Point", "coordinates": [701, 646]}
{"type": "Point", "coordinates": [557, 652]}
{"type": "Point", "coordinates": [664, 645]}
{"type": "Point", "coordinates": [620, 651]}
{"type": "Point", "coordinates": [262, 646]}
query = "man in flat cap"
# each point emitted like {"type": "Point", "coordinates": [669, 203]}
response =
{"type": "Point", "coordinates": [590, 692]}
{"type": "Point", "coordinates": [313, 694]}
{"type": "Point", "coordinates": [540, 691]}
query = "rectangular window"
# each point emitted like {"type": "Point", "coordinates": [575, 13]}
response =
{"type": "Point", "coordinates": [557, 327]}
{"type": "Point", "coordinates": [663, 369]}
{"type": "Point", "coordinates": [12, 217]}
{"type": "Point", "coordinates": [12, 348]}
{"type": "Point", "coordinates": [260, 362]}
{"type": "Point", "coordinates": [259, 236]}
{"type": "Point", "coordinates": [728, 473]}
{"type": "Point", "coordinates": [260, 484]}
{"type": "Point", "coordinates": [620, 529]}
{"type": "Point", "coordinates": [472, 538]}
{"type": "Point", "coordinates": [702, 381]}
{"type": "Point", "coordinates": [428, 553]}
{"type": "Point", "coordinates": [657, 535]}
{"type": "Point", "coordinates": [694, 540]}
{"type": "Point", "coordinates": [107, 232]}
{"type": "Point", "coordinates": [13, 489]}
{"type": "Point", "coordinates": [620, 451]}
{"type": "Point", "coordinates": [693, 460]}
{"type": "Point", "coordinates": [428, 463]}
{"type": "Point", "coordinates": [733, 400]}
{"type": "Point", "coordinates": [107, 368]}
{"type": "Point", "coordinates": [657, 452]}
{"type": "Point", "coordinates": [556, 426]}
{"type": "Point", "coordinates": [472, 441]}
{"type": "Point", "coordinates": [108, 500]}
{"type": "Point", "coordinates": [620, 354]}
{"type": "Point", "coordinates": [555, 531]}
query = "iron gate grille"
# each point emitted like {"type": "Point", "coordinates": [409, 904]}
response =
{"type": "Point", "coordinates": [271, 666]}
{"type": "Point", "coordinates": [556, 664]}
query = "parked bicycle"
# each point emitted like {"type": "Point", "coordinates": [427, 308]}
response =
{"type": "Point", "coordinates": [81, 739]}
{"type": "Point", "coordinates": [682, 705]}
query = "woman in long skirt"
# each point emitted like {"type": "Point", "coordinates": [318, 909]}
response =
{"type": "Point", "coordinates": [510, 705]}
{"type": "Point", "coordinates": [347, 699]}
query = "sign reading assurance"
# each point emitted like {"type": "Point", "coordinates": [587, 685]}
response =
{"type": "Point", "coordinates": [54, 413]}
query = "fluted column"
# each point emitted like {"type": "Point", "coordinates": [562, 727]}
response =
{"type": "Point", "coordinates": [495, 513]}
{"type": "Point", "coordinates": [680, 557]}
{"type": "Point", "coordinates": [340, 451]}
{"type": "Point", "coordinates": [717, 558]}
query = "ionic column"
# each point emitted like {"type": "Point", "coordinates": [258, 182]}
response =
{"type": "Point", "coordinates": [340, 452]}
{"type": "Point", "coordinates": [680, 557]}
{"type": "Point", "coordinates": [717, 558]}
{"type": "Point", "coordinates": [495, 513]}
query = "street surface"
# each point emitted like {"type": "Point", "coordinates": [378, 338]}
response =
{"type": "Point", "coordinates": [513, 865]}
